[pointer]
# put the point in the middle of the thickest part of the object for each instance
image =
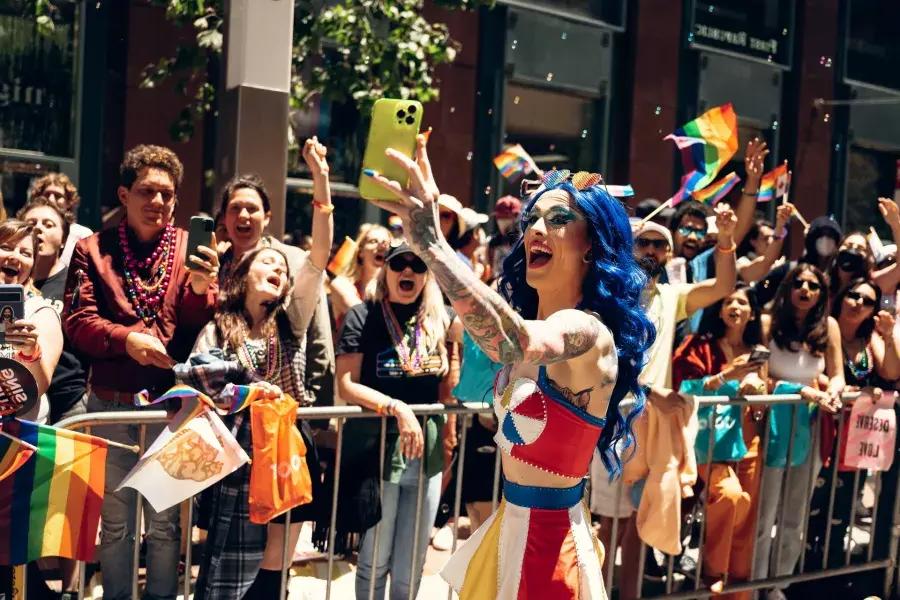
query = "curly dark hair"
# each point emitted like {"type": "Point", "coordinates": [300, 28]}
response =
{"type": "Point", "coordinates": [65, 217]}
{"type": "Point", "coordinates": [143, 156]}
{"type": "Point", "coordinates": [231, 319]}
{"type": "Point", "coordinates": [250, 181]}
{"type": "Point", "coordinates": [868, 326]}
{"type": "Point", "coordinates": [41, 184]}
{"type": "Point", "coordinates": [688, 208]}
{"type": "Point", "coordinates": [813, 332]}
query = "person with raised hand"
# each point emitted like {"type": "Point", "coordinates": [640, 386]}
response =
{"type": "Point", "coordinates": [568, 327]}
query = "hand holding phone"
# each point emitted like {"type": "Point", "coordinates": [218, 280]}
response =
{"type": "Point", "coordinates": [759, 354]}
{"type": "Point", "coordinates": [395, 124]}
{"type": "Point", "coordinates": [200, 233]}
{"type": "Point", "coordinates": [12, 308]}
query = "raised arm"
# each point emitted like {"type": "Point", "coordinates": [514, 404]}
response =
{"type": "Point", "coordinates": [888, 278]}
{"type": "Point", "coordinates": [707, 292]}
{"type": "Point", "coordinates": [322, 221]}
{"type": "Point", "coordinates": [760, 266]}
{"type": "Point", "coordinates": [498, 329]}
{"type": "Point", "coordinates": [884, 347]}
{"type": "Point", "coordinates": [754, 161]}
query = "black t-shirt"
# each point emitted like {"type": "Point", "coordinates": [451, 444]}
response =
{"type": "Point", "coordinates": [364, 331]}
{"type": "Point", "coordinates": [69, 378]}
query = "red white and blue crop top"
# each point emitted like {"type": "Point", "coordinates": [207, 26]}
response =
{"type": "Point", "coordinates": [539, 427]}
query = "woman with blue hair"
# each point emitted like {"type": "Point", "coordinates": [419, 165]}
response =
{"type": "Point", "coordinates": [568, 327]}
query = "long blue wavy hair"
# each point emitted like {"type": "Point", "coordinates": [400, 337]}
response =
{"type": "Point", "coordinates": [612, 289]}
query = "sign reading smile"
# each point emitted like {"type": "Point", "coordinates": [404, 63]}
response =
{"type": "Point", "coordinates": [18, 389]}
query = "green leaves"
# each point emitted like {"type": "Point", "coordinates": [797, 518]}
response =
{"type": "Point", "coordinates": [350, 51]}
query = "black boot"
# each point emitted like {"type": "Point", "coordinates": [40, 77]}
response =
{"type": "Point", "coordinates": [265, 587]}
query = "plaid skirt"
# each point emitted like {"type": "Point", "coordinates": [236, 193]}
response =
{"type": "Point", "coordinates": [234, 546]}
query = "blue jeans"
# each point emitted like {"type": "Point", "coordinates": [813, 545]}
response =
{"type": "Point", "coordinates": [117, 536]}
{"type": "Point", "coordinates": [395, 536]}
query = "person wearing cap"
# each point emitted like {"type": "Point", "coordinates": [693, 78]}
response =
{"type": "Point", "coordinates": [506, 217]}
{"type": "Point", "coordinates": [392, 354]}
{"type": "Point", "coordinates": [666, 304]}
{"type": "Point", "coordinates": [471, 239]}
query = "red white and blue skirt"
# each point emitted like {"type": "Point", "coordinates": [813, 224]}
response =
{"type": "Point", "coordinates": [538, 544]}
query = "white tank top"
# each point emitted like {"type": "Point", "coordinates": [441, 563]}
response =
{"type": "Point", "coordinates": [800, 366]}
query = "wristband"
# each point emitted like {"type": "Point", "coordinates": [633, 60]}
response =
{"type": "Point", "coordinates": [325, 208]}
{"type": "Point", "coordinates": [782, 233]}
{"type": "Point", "coordinates": [730, 250]}
{"type": "Point", "coordinates": [30, 358]}
{"type": "Point", "coordinates": [744, 192]}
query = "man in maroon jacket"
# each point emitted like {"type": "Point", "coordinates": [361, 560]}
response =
{"type": "Point", "coordinates": [134, 309]}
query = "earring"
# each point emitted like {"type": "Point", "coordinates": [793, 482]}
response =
{"type": "Point", "coordinates": [588, 257]}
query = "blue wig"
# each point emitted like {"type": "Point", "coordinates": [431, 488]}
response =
{"type": "Point", "coordinates": [612, 288]}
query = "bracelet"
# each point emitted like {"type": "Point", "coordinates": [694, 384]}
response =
{"type": "Point", "coordinates": [744, 192]}
{"type": "Point", "coordinates": [386, 408]}
{"type": "Point", "coordinates": [782, 233]}
{"type": "Point", "coordinates": [730, 250]}
{"type": "Point", "coordinates": [29, 358]}
{"type": "Point", "coordinates": [325, 208]}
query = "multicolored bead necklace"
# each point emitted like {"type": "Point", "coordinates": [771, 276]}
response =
{"type": "Point", "coordinates": [272, 365]}
{"type": "Point", "coordinates": [147, 295]}
{"type": "Point", "coordinates": [410, 362]}
{"type": "Point", "coordinates": [861, 368]}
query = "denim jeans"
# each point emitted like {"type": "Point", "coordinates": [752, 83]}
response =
{"type": "Point", "coordinates": [395, 536]}
{"type": "Point", "coordinates": [117, 535]}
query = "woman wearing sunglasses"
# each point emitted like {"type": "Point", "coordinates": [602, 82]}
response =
{"type": "Point", "coordinates": [805, 344]}
{"type": "Point", "coordinates": [870, 360]}
{"type": "Point", "coordinates": [392, 354]}
{"type": "Point", "coordinates": [568, 327]}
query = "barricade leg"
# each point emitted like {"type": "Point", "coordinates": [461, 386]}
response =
{"type": "Point", "coordinates": [381, 445]}
{"type": "Point", "coordinates": [334, 499]}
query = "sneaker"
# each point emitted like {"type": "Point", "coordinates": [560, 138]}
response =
{"type": "Point", "coordinates": [443, 539]}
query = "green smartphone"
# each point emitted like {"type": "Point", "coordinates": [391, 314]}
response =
{"type": "Point", "coordinates": [395, 124]}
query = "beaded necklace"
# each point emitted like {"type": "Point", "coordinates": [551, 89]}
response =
{"type": "Point", "coordinates": [272, 365]}
{"type": "Point", "coordinates": [146, 295]}
{"type": "Point", "coordinates": [410, 362]}
{"type": "Point", "coordinates": [862, 369]}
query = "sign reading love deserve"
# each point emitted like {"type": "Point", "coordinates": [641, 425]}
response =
{"type": "Point", "coordinates": [871, 433]}
{"type": "Point", "coordinates": [18, 389]}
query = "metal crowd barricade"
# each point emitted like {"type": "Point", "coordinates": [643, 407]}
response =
{"type": "Point", "coordinates": [340, 415]}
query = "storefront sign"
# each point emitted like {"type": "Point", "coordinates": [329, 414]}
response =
{"type": "Point", "coordinates": [754, 28]}
{"type": "Point", "coordinates": [873, 44]}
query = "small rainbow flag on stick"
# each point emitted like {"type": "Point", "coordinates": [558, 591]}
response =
{"type": "Point", "coordinates": [51, 505]}
{"type": "Point", "coordinates": [340, 262]}
{"type": "Point", "coordinates": [774, 184]}
{"type": "Point", "coordinates": [514, 161]}
{"type": "Point", "coordinates": [707, 144]}
{"type": "Point", "coordinates": [718, 190]}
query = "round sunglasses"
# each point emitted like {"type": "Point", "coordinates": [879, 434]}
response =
{"type": "Point", "coordinates": [398, 263]}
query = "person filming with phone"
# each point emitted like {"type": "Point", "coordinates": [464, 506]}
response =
{"type": "Point", "coordinates": [35, 339]}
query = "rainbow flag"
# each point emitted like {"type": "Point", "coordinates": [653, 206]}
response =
{"type": "Point", "coordinates": [13, 454]}
{"type": "Point", "coordinates": [619, 191]}
{"type": "Point", "coordinates": [233, 398]}
{"type": "Point", "coordinates": [774, 184]}
{"type": "Point", "coordinates": [707, 144]}
{"type": "Point", "coordinates": [51, 505]}
{"type": "Point", "coordinates": [241, 396]}
{"type": "Point", "coordinates": [514, 161]}
{"type": "Point", "coordinates": [340, 262]}
{"type": "Point", "coordinates": [718, 190]}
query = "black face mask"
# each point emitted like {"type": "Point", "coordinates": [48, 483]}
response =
{"type": "Point", "coordinates": [650, 266]}
{"type": "Point", "coordinates": [851, 261]}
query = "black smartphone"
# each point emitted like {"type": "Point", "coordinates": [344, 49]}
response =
{"type": "Point", "coordinates": [888, 303]}
{"type": "Point", "coordinates": [200, 233]}
{"type": "Point", "coordinates": [12, 307]}
{"type": "Point", "coordinates": [759, 355]}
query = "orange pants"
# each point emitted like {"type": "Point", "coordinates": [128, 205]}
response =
{"type": "Point", "coordinates": [730, 520]}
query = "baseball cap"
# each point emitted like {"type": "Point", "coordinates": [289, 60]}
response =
{"type": "Point", "coordinates": [397, 250]}
{"type": "Point", "coordinates": [639, 228]}
{"type": "Point", "coordinates": [507, 207]}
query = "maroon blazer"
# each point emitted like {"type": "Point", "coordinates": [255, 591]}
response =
{"type": "Point", "coordinates": [99, 316]}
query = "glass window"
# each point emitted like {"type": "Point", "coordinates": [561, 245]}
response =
{"type": "Point", "coordinates": [870, 174]}
{"type": "Point", "coordinates": [37, 81]}
{"type": "Point", "coordinates": [558, 129]}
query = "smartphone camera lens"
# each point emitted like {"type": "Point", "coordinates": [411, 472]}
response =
{"type": "Point", "coordinates": [411, 110]}
{"type": "Point", "coordinates": [400, 114]}
{"type": "Point", "coordinates": [410, 120]}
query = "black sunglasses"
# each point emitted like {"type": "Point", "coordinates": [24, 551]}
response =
{"type": "Point", "coordinates": [644, 242]}
{"type": "Point", "coordinates": [870, 302]}
{"type": "Point", "coordinates": [812, 285]}
{"type": "Point", "coordinates": [398, 263]}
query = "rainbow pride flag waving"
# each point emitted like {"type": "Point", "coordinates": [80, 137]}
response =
{"type": "Point", "coordinates": [718, 190]}
{"type": "Point", "coordinates": [514, 161]}
{"type": "Point", "coordinates": [50, 506]}
{"type": "Point", "coordinates": [774, 184]}
{"type": "Point", "coordinates": [13, 454]}
{"type": "Point", "coordinates": [707, 144]}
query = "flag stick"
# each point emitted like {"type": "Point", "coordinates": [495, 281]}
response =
{"type": "Point", "coordinates": [657, 210]}
{"type": "Point", "coordinates": [784, 200]}
{"type": "Point", "coordinates": [135, 448]}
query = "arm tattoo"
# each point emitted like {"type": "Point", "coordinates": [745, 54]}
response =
{"type": "Point", "coordinates": [490, 320]}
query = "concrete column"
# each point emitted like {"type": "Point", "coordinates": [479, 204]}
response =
{"type": "Point", "coordinates": [253, 114]}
